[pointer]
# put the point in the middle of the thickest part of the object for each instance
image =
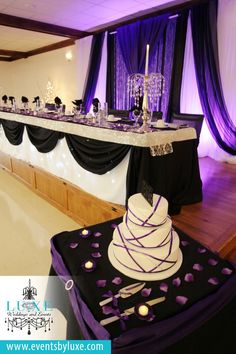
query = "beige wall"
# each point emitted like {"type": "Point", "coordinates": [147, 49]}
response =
{"type": "Point", "coordinates": [29, 77]}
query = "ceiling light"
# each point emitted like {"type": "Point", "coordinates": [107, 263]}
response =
{"type": "Point", "coordinates": [68, 56]}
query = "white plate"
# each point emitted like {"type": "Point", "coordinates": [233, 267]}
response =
{"type": "Point", "coordinates": [113, 119]}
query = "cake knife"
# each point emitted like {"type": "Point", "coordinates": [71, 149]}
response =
{"type": "Point", "coordinates": [125, 292]}
{"type": "Point", "coordinates": [130, 311]}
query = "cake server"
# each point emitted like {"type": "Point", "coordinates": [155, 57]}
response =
{"type": "Point", "coordinates": [125, 292]}
{"type": "Point", "coordinates": [130, 311]}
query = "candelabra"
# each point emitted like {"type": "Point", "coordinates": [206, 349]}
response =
{"type": "Point", "coordinates": [150, 88]}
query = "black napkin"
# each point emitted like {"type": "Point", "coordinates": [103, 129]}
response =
{"type": "Point", "coordinates": [24, 99]}
{"type": "Point", "coordinates": [58, 101]}
{"type": "Point", "coordinates": [4, 98]}
{"type": "Point", "coordinates": [77, 103]}
{"type": "Point", "coordinates": [36, 99]}
{"type": "Point", "coordinates": [11, 98]}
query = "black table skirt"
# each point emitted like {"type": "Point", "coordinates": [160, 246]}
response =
{"type": "Point", "coordinates": [209, 313]}
{"type": "Point", "coordinates": [175, 176]}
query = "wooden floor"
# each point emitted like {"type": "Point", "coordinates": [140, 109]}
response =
{"type": "Point", "coordinates": [213, 221]}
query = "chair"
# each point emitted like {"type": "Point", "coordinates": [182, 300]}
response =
{"type": "Point", "coordinates": [119, 113]}
{"type": "Point", "coordinates": [156, 115]}
{"type": "Point", "coordinates": [192, 120]}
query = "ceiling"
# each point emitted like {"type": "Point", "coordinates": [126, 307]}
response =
{"type": "Point", "coordinates": [30, 27]}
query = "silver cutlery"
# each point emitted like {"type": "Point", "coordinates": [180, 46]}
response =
{"type": "Point", "coordinates": [125, 292]}
{"type": "Point", "coordinates": [130, 311]}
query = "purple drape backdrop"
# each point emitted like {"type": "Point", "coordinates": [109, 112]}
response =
{"type": "Point", "coordinates": [93, 70]}
{"type": "Point", "coordinates": [131, 42]}
{"type": "Point", "coordinates": [206, 60]}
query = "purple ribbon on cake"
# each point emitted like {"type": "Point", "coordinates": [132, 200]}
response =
{"type": "Point", "coordinates": [145, 222]}
{"type": "Point", "coordinates": [142, 270]}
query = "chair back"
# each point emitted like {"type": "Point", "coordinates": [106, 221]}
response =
{"type": "Point", "coordinates": [192, 120]}
{"type": "Point", "coordinates": [119, 113]}
{"type": "Point", "coordinates": [156, 115]}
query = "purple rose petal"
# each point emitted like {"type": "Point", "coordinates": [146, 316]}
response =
{"type": "Point", "coordinates": [146, 292]}
{"type": "Point", "coordinates": [117, 281]}
{"type": "Point", "coordinates": [184, 243]}
{"type": "Point", "coordinates": [198, 267]}
{"type": "Point", "coordinates": [97, 234]}
{"type": "Point", "coordinates": [114, 226]}
{"type": "Point", "coordinates": [96, 255]}
{"type": "Point", "coordinates": [213, 281]}
{"type": "Point", "coordinates": [176, 282]}
{"type": "Point", "coordinates": [73, 245]}
{"type": "Point", "coordinates": [107, 309]}
{"type": "Point", "coordinates": [212, 261]}
{"type": "Point", "coordinates": [226, 271]}
{"type": "Point", "coordinates": [164, 287]}
{"type": "Point", "coordinates": [201, 250]}
{"type": "Point", "coordinates": [101, 283]}
{"type": "Point", "coordinates": [181, 300]}
{"type": "Point", "coordinates": [189, 278]}
{"type": "Point", "coordinates": [95, 245]}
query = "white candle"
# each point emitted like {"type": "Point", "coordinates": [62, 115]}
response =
{"type": "Point", "coordinates": [85, 232]}
{"type": "Point", "coordinates": [147, 60]}
{"type": "Point", "coordinates": [143, 310]}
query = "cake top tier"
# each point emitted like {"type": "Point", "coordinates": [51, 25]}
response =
{"type": "Point", "coordinates": [140, 212]}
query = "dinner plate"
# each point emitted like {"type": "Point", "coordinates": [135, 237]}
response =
{"type": "Point", "coordinates": [113, 119]}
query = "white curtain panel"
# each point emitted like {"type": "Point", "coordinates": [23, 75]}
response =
{"type": "Point", "coordinates": [190, 102]}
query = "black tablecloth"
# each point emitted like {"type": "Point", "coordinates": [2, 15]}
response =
{"type": "Point", "coordinates": [175, 176]}
{"type": "Point", "coordinates": [204, 282]}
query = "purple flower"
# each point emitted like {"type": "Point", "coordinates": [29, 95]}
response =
{"type": "Point", "coordinates": [73, 245]}
{"type": "Point", "coordinates": [101, 283]}
{"type": "Point", "coordinates": [198, 267]}
{"type": "Point", "coordinates": [114, 226]}
{"type": "Point", "coordinates": [146, 292]}
{"type": "Point", "coordinates": [117, 281]}
{"type": "Point", "coordinates": [212, 261]}
{"type": "Point", "coordinates": [189, 278]}
{"type": "Point", "coordinates": [107, 310]}
{"type": "Point", "coordinates": [184, 243]}
{"type": "Point", "coordinates": [164, 287]}
{"type": "Point", "coordinates": [201, 250]}
{"type": "Point", "coordinates": [176, 281]}
{"type": "Point", "coordinates": [96, 255]}
{"type": "Point", "coordinates": [97, 234]}
{"type": "Point", "coordinates": [226, 271]}
{"type": "Point", "coordinates": [95, 245]}
{"type": "Point", "coordinates": [181, 300]}
{"type": "Point", "coordinates": [213, 281]}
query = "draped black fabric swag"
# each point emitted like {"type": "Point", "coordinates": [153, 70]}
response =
{"type": "Point", "coordinates": [96, 156]}
{"type": "Point", "coordinates": [13, 131]}
{"type": "Point", "coordinates": [43, 139]}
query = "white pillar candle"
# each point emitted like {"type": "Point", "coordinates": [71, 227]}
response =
{"type": "Point", "coordinates": [147, 60]}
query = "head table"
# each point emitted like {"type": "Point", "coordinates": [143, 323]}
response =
{"type": "Point", "coordinates": [199, 310]}
{"type": "Point", "coordinates": [165, 157]}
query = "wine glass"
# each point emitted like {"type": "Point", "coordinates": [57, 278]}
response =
{"type": "Point", "coordinates": [136, 114]}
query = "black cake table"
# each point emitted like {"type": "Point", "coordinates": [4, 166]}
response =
{"type": "Point", "coordinates": [200, 298]}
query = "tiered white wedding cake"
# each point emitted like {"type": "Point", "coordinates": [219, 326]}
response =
{"type": "Point", "coordinates": [144, 245]}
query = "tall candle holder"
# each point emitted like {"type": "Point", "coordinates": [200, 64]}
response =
{"type": "Point", "coordinates": [150, 87]}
